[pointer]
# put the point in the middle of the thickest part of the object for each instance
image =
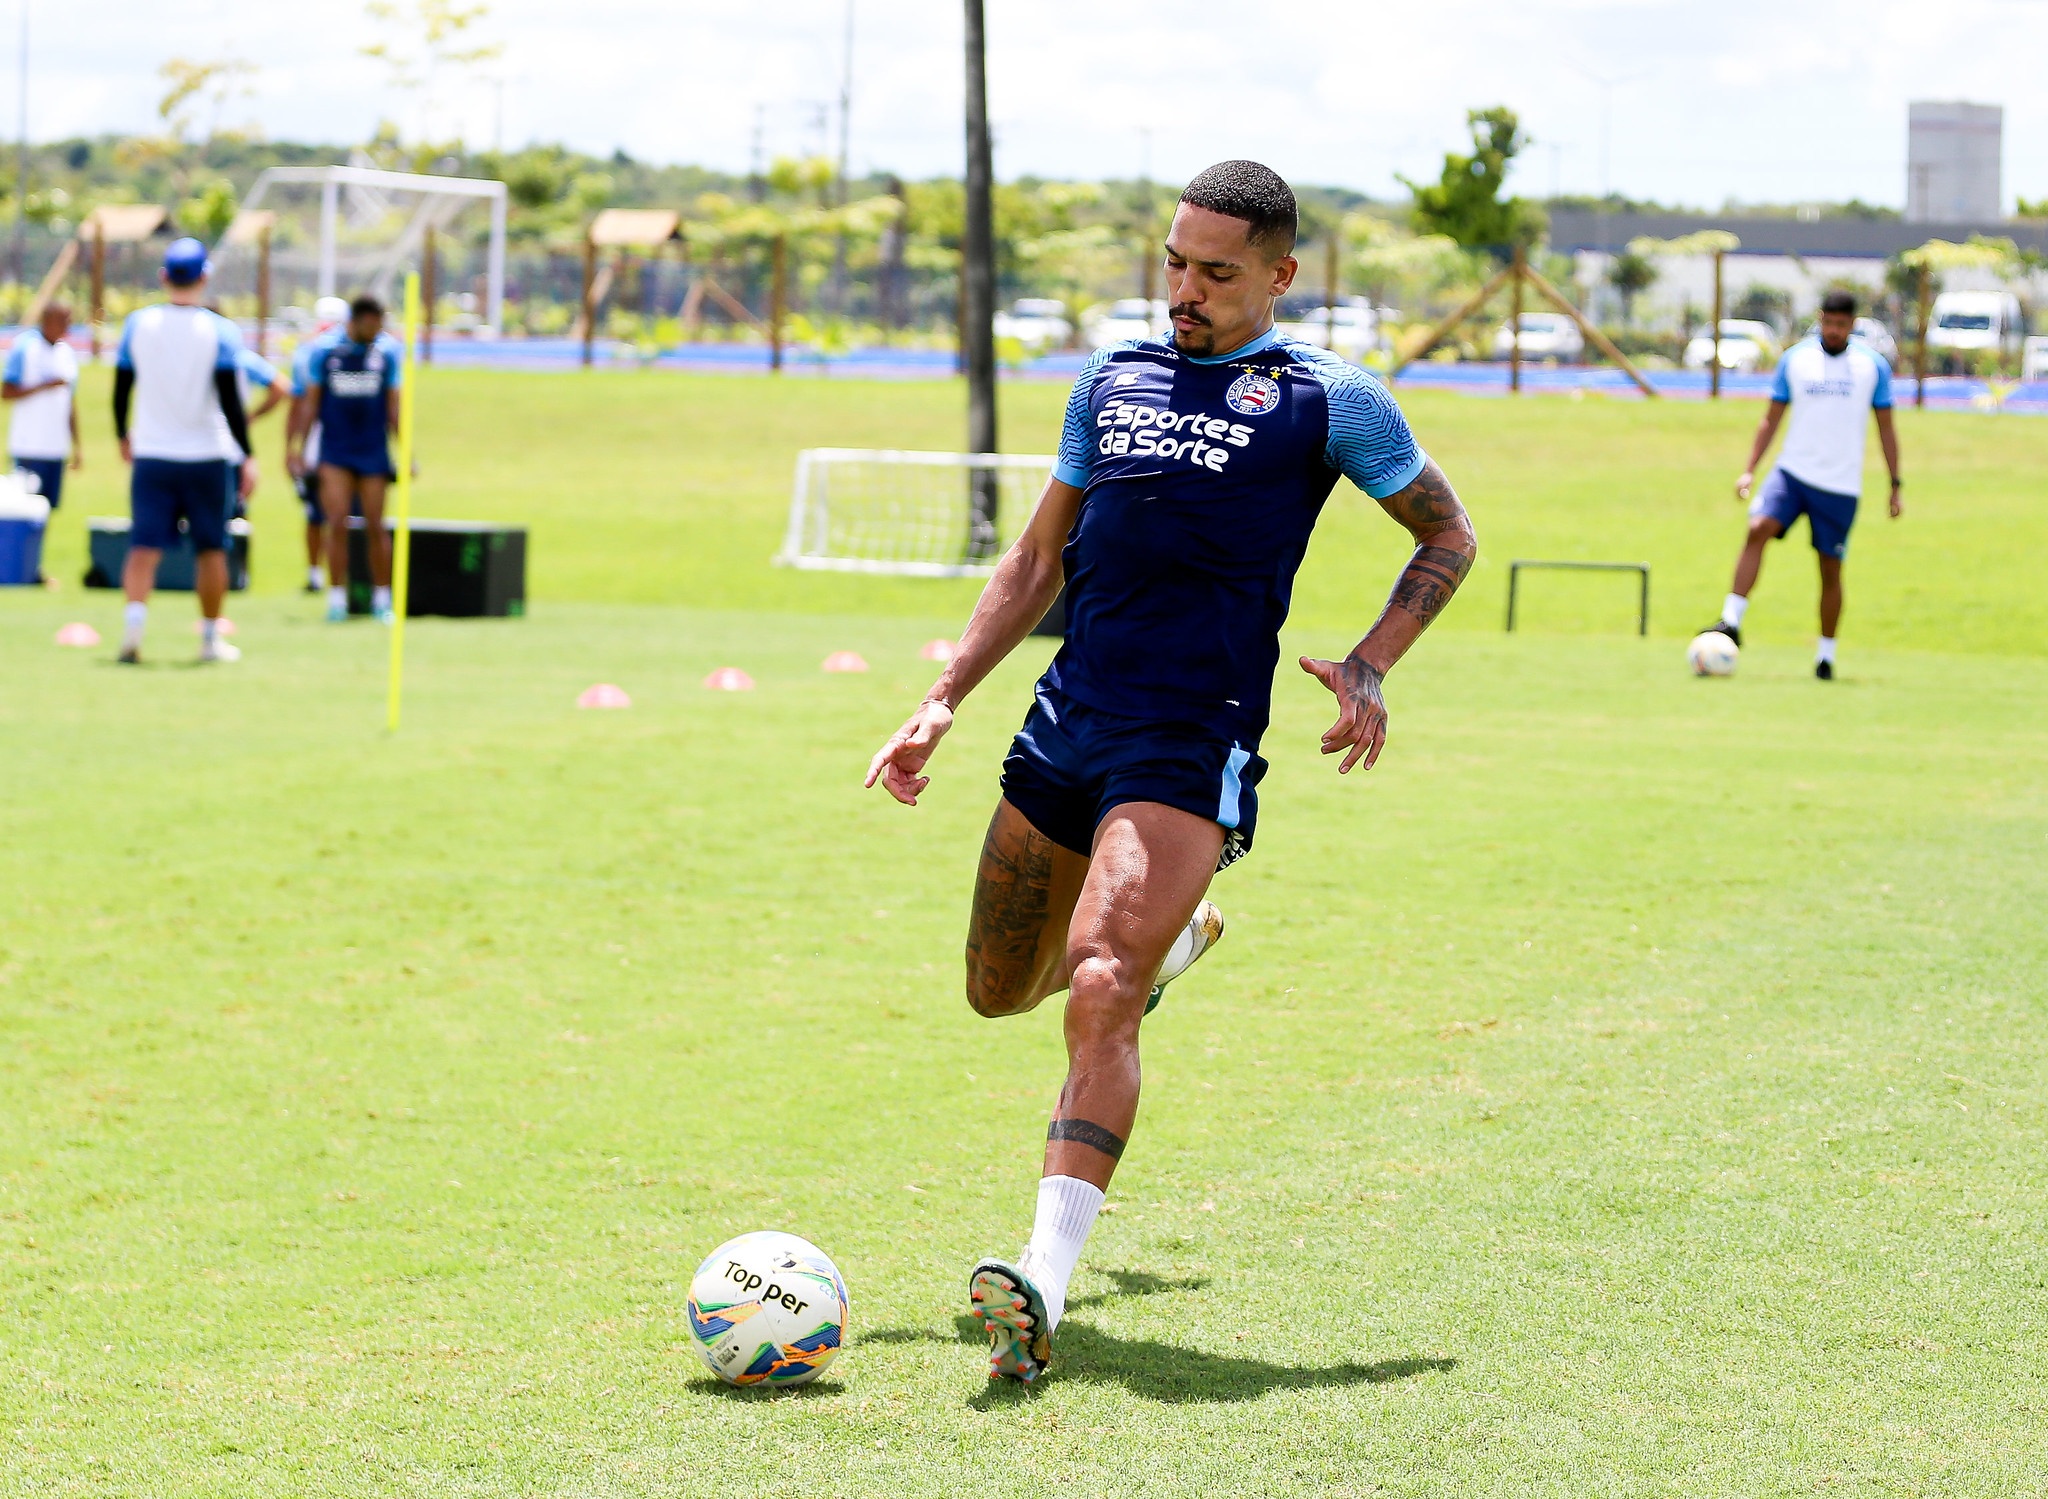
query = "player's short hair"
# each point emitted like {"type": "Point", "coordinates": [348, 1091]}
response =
{"type": "Point", "coordinates": [1839, 301]}
{"type": "Point", "coordinates": [1257, 194]}
{"type": "Point", "coordinates": [365, 306]}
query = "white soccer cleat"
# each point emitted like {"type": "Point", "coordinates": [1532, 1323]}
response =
{"type": "Point", "coordinates": [220, 650]}
{"type": "Point", "coordinates": [1203, 931]}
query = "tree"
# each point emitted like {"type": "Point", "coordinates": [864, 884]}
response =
{"type": "Point", "coordinates": [1465, 203]}
{"type": "Point", "coordinates": [188, 84]}
{"type": "Point", "coordinates": [1631, 274]}
{"type": "Point", "coordinates": [424, 40]}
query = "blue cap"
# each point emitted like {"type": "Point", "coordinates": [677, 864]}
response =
{"type": "Point", "coordinates": [184, 261]}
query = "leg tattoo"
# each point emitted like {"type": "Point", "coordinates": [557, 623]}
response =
{"type": "Point", "coordinates": [1012, 896]}
{"type": "Point", "coordinates": [1081, 1132]}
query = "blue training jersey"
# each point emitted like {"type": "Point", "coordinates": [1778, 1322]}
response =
{"type": "Point", "coordinates": [354, 381]}
{"type": "Point", "coordinates": [1202, 480]}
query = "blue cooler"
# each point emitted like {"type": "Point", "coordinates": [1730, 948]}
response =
{"type": "Point", "coordinates": [23, 517]}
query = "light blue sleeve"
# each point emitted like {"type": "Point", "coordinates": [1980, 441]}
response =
{"type": "Point", "coordinates": [1077, 433]}
{"type": "Point", "coordinates": [394, 361]}
{"type": "Point", "coordinates": [1881, 398]}
{"type": "Point", "coordinates": [124, 356]}
{"type": "Point", "coordinates": [303, 359]}
{"type": "Point", "coordinates": [1781, 386]}
{"type": "Point", "coordinates": [1370, 443]}
{"type": "Point", "coordinates": [258, 369]}
{"type": "Point", "coordinates": [17, 361]}
{"type": "Point", "coordinates": [229, 355]}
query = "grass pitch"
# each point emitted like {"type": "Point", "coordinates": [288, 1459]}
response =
{"type": "Point", "coordinates": [1631, 1087]}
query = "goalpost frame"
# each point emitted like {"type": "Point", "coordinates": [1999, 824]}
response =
{"type": "Point", "coordinates": [331, 180]}
{"type": "Point", "coordinates": [804, 540]}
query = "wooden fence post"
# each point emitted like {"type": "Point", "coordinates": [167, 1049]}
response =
{"type": "Point", "coordinates": [778, 300]}
{"type": "Point", "coordinates": [1515, 324]}
{"type": "Point", "coordinates": [589, 299]}
{"type": "Point", "coordinates": [1714, 379]}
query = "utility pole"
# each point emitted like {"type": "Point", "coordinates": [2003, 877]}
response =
{"type": "Point", "coordinates": [978, 293]}
{"type": "Point", "coordinates": [839, 196]}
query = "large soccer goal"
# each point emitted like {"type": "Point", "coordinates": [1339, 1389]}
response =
{"type": "Point", "coordinates": [923, 515]}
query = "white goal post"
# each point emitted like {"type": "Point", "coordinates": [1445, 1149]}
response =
{"type": "Point", "coordinates": [861, 510]}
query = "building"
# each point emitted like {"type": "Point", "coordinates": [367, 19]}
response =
{"type": "Point", "coordinates": [1954, 157]}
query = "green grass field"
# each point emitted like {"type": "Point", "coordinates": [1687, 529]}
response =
{"type": "Point", "coordinates": [1632, 1087]}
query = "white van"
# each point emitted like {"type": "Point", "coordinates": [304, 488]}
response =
{"type": "Point", "coordinates": [1975, 322]}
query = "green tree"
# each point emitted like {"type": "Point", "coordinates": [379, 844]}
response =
{"type": "Point", "coordinates": [1465, 203]}
{"type": "Point", "coordinates": [209, 211]}
{"type": "Point", "coordinates": [1631, 274]}
{"type": "Point", "coordinates": [424, 41]}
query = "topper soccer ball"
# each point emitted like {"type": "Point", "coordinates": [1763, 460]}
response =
{"type": "Point", "coordinates": [1712, 655]}
{"type": "Point", "coordinates": [767, 1309]}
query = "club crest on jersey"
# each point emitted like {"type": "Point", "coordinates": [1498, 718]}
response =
{"type": "Point", "coordinates": [1252, 394]}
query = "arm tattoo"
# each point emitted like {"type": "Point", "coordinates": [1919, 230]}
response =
{"type": "Point", "coordinates": [1431, 577]}
{"type": "Point", "coordinates": [1428, 502]}
{"type": "Point", "coordinates": [1081, 1132]}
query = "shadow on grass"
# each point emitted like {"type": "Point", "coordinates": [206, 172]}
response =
{"type": "Point", "coordinates": [718, 1389]}
{"type": "Point", "coordinates": [1160, 1371]}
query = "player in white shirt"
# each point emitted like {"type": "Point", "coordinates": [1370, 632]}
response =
{"type": "Point", "coordinates": [39, 381]}
{"type": "Point", "coordinates": [176, 373]}
{"type": "Point", "coordinates": [1829, 383]}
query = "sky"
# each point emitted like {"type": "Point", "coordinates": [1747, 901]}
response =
{"type": "Point", "coordinates": [1676, 100]}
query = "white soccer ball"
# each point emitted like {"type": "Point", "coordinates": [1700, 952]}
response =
{"type": "Point", "coordinates": [767, 1308]}
{"type": "Point", "coordinates": [1712, 655]}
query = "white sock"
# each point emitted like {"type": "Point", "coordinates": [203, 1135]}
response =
{"type": "Point", "coordinates": [312, 576]}
{"type": "Point", "coordinates": [380, 599]}
{"type": "Point", "coordinates": [1825, 650]}
{"type": "Point", "coordinates": [133, 618]}
{"type": "Point", "coordinates": [209, 631]}
{"type": "Point", "coordinates": [1733, 608]}
{"type": "Point", "coordinates": [337, 598]}
{"type": "Point", "coordinates": [1066, 1212]}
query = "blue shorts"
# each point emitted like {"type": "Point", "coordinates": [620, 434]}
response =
{"type": "Point", "coordinates": [164, 491]}
{"type": "Point", "coordinates": [1828, 515]}
{"type": "Point", "coordinates": [49, 474]}
{"type": "Point", "coordinates": [1071, 763]}
{"type": "Point", "coordinates": [360, 465]}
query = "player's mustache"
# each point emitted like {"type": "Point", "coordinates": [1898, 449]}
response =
{"type": "Point", "coordinates": [1187, 310]}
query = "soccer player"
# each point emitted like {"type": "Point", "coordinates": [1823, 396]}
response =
{"type": "Point", "coordinates": [1191, 471]}
{"type": "Point", "coordinates": [177, 368]}
{"type": "Point", "coordinates": [39, 380]}
{"type": "Point", "coordinates": [1828, 382]}
{"type": "Point", "coordinates": [302, 446]}
{"type": "Point", "coordinates": [348, 380]}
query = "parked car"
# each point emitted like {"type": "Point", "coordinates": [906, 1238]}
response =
{"type": "Point", "coordinates": [1038, 323]}
{"type": "Point", "coordinates": [1745, 346]}
{"type": "Point", "coordinates": [1975, 322]}
{"type": "Point", "coordinates": [1127, 317]}
{"type": "Point", "coordinates": [1869, 330]}
{"type": "Point", "coordinates": [1545, 335]}
{"type": "Point", "coordinates": [1356, 330]}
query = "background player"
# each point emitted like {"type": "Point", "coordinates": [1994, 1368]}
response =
{"type": "Point", "coordinates": [1829, 382]}
{"type": "Point", "coordinates": [39, 382]}
{"type": "Point", "coordinates": [349, 381]}
{"type": "Point", "coordinates": [302, 445]}
{"type": "Point", "coordinates": [177, 367]}
{"type": "Point", "coordinates": [1191, 472]}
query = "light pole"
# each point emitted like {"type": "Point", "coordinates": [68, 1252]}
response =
{"type": "Point", "coordinates": [978, 292]}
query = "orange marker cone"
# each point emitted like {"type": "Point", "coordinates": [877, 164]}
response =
{"type": "Point", "coordinates": [939, 650]}
{"type": "Point", "coordinates": [845, 661]}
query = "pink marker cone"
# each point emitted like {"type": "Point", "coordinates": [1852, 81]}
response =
{"type": "Point", "coordinates": [729, 679]}
{"type": "Point", "coordinates": [79, 634]}
{"type": "Point", "coordinates": [845, 661]}
{"type": "Point", "coordinates": [939, 650]}
{"type": "Point", "coordinates": [603, 695]}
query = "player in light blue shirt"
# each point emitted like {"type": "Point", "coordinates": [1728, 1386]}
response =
{"type": "Point", "coordinates": [1832, 384]}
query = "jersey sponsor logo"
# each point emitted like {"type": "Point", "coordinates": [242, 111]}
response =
{"type": "Point", "coordinates": [1137, 430]}
{"type": "Point", "coordinates": [352, 383]}
{"type": "Point", "coordinates": [1252, 394]}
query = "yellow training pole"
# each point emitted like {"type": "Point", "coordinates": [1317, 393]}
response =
{"type": "Point", "coordinates": [401, 557]}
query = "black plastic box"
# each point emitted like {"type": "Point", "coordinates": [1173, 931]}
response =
{"type": "Point", "coordinates": [463, 568]}
{"type": "Point", "coordinates": [107, 540]}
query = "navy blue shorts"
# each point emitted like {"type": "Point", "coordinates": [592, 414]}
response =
{"type": "Point", "coordinates": [164, 491]}
{"type": "Point", "coordinates": [49, 474]}
{"type": "Point", "coordinates": [1071, 763]}
{"type": "Point", "coordinates": [1828, 515]}
{"type": "Point", "coordinates": [361, 465]}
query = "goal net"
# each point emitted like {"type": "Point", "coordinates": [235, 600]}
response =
{"type": "Point", "coordinates": [924, 515]}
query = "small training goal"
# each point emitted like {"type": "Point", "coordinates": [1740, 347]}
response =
{"type": "Point", "coordinates": [921, 515]}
